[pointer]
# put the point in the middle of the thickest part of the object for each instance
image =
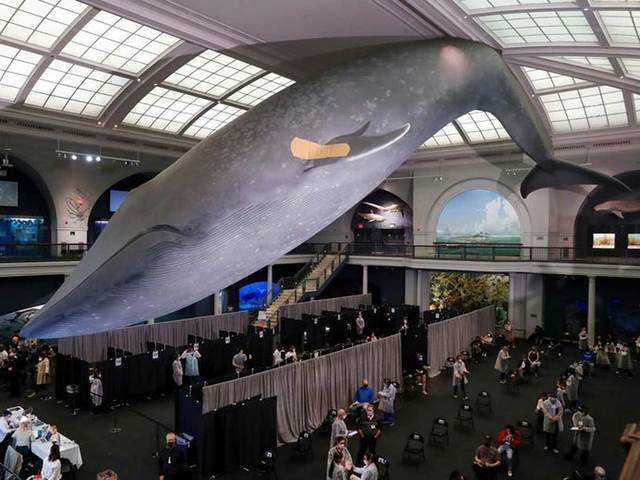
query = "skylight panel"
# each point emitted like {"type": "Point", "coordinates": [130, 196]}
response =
{"type": "Point", "coordinates": [118, 43]}
{"type": "Point", "coordinates": [37, 22]}
{"type": "Point", "coordinates": [165, 110]}
{"type": "Point", "coordinates": [444, 137]}
{"type": "Point", "coordinates": [71, 88]}
{"type": "Point", "coordinates": [481, 126]}
{"type": "Point", "coordinates": [585, 109]}
{"type": "Point", "coordinates": [598, 63]}
{"type": "Point", "coordinates": [485, 4]}
{"type": "Point", "coordinates": [15, 67]}
{"type": "Point", "coordinates": [212, 73]}
{"type": "Point", "coordinates": [631, 66]}
{"type": "Point", "coordinates": [215, 118]}
{"type": "Point", "coordinates": [261, 89]}
{"type": "Point", "coordinates": [543, 80]}
{"type": "Point", "coordinates": [622, 26]}
{"type": "Point", "coordinates": [544, 27]}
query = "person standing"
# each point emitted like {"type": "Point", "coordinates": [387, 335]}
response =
{"type": "Point", "coordinates": [95, 391]}
{"type": "Point", "coordinates": [369, 432]}
{"type": "Point", "coordinates": [502, 363]}
{"type": "Point", "coordinates": [51, 466]}
{"type": "Point", "coordinates": [360, 325]}
{"type": "Point", "coordinates": [387, 402]}
{"type": "Point", "coordinates": [340, 447]}
{"type": "Point", "coordinates": [460, 374]}
{"type": "Point", "coordinates": [338, 427]}
{"type": "Point", "coordinates": [583, 430]}
{"type": "Point", "coordinates": [508, 332]}
{"type": "Point", "coordinates": [171, 460]}
{"type": "Point", "coordinates": [583, 339]}
{"type": "Point", "coordinates": [422, 376]}
{"type": "Point", "coordinates": [42, 373]}
{"type": "Point", "coordinates": [624, 362]}
{"type": "Point", "coordinates": [552, 423]}
{"type": "Point", "coordinates": [336, 469]}
{"type": "Point", "coordinates": [238, 361]}
{"type": "Point", "coordinates": [178, 372]}
{"type": "Point", "coordinates": [191, 370]}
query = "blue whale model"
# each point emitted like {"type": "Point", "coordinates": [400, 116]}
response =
{"type": "Point", "coordinates": [280, 173]}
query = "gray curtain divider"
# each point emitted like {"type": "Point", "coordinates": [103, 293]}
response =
{"type": "Point", "coordinates": [307, 390]}
{"type": "Point", "coordinates": [295, 310]}
{"type": "Point", "coordinates": [93, 348]}
{"type": "Point", "coordinates": [452, 336]}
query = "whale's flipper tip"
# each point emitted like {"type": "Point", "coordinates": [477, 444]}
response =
{"type": "Point", "coordinates": [556, 173]}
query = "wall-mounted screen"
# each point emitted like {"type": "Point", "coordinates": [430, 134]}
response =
{"type": "Point", "coordinates": [633, 241]}
{"type": "Point", "coordinates": [605, 241]}
{"type": "Point", "coordinates": [254, 295]}
{"type": "Point", "coordinates": [116, 197]}
{"type": "Point", "coordinates": [8, 194]}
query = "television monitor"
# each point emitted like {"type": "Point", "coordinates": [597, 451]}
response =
{"type": "Point", "coordinates": [116, 197]}
{"type": "Point", "coordinates": [254, 295]}
{"type": "Point", "coordinates": [8, 194]}
{"type": "Point", "coordinates": [633, 241]}
{"type": "Point", "coordinates": [604, 241]}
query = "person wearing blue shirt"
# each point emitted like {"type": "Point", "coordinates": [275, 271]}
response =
{"type": "Point", "coordinates": [364, 394]}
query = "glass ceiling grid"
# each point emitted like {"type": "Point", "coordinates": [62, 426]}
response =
{"type": "Point", "coordinates": [631, 66]}
{"type": "Point", "coordinates": [165, 110]}
{"type": "Point", "coordinates": [544, 80]}
{"type": "Point", "coordinates": [597, 63]}
{"type": "Point", "coordinates": [15, 68]}
{"type": "Point", "coordinates": [444, 137]}
{"type": "Point", "coordinates": [38, 22]}
{"type": "Point", "coordinates": [261, 89]}
{"type": "Point", "coordinates": [622, 26]}
{"type": "Point", "coordinates": [75, 89]}
{"type": "Point", "coordinates": [481, 126]}
{"type": "Point", "coordinates": [539, 27]}
{"type": "Point", "coordinates": [212, 73]}
{"type": "Point", "coordinates": [486, 4]}
{"type": "Point", "coordinates": [636, 102]}
{"type": "Point", "coordinates": [118, 43]}
{"type": "Point", "coordinates": [586, 108]}
{"type": "Point", "coordinates": [213, 119]}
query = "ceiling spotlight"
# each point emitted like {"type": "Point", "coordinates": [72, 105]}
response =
{"type": "Point", "coordinates": [74, 156]}
{"type": "Point", "coordinates": [98, 158]}
{"type": "Point", "coordinates": [89, 158]}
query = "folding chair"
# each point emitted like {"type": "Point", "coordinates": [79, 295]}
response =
{"type": "Point", "coordinates": [465, 416]}
{"type": "Point", "coordinates": [384, 468]}
{"type": "Point", "coordinates": [527, 432]}
{"type": "Point", "coordinates": [483, 401]}
{"type": "Point", "coordinates": [414, 447]}
{"type": "Point", "coordinates": [439, 434]}
{"type": "Point", "coordinates": [303, 446]}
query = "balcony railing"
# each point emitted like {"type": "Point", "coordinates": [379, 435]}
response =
{"type": "Point", "coordinates": [41, 252]}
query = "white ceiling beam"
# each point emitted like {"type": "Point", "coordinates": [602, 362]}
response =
{"type": "Point", "coordinates": [571, 51]}
{"type": "Point", "coordinates": [631, 108]}
{"type": "Point", "coordinates": [523, 8]}
{"type": "Point", "coordinates": [55, 50]}
{"type": "Point", "coordinates": [584, 73]}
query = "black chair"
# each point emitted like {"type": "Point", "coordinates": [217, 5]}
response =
{"type": "Point", "coordinates": [527, 432]}
{"type": "Point", "coordinates": [267, 466]}
{"type": "Point", "coordinates": [465, 416]}
{"type": "Point", "coordinates": [439, 434]}
{"type": "Point", "coordinates": [67, 469]}
{"type": "Point", "coordinates": [304, 445]}
{"type": "Point", "coordinates": [483, 402]}
{"type": "Point", "coordinates": [325, 426]}
{"type": "Point", "coordinates": [414, 447]}
{"type": "Point", "coordinates": [384, 468]}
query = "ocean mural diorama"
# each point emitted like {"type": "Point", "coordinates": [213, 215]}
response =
{"type": "Point", "coordinates": [478, 216]}
{"type": "Point", "coordinates": [254, 295]}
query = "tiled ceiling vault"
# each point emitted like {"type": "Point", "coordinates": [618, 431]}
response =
{"type": "Point", "coordinates": [578, 59]}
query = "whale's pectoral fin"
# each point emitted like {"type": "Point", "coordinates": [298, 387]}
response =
{"type": "Point", "coordinates": [617, 213]}
{"type": "Point", "coordinates": [556, 173]}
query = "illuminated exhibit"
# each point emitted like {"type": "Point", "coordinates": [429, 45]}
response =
{"type": "Point", "coordinates": [200, 214]}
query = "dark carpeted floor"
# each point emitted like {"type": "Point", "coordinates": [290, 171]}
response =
{"type": "Point", "coordinates": [613, 403]}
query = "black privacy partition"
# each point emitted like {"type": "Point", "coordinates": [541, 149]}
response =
{"type": "Point", "coordinates": [71, 371]}
{"type": "Point", "coordinates": [237, 435]}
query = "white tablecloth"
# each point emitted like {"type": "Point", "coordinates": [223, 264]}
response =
{"type": "Point", "coordinates": [68, 449]}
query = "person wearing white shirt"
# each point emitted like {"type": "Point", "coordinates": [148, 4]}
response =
{"type": "Point", "coordinates": [338, 427]}
{"type": "Point", "coordinates": [277, 357]}
{"type": "Point", "coordinates": [368, 472]}
{"type": "Point", "coordinates": [460, 373]}
{"type": "Point", "coordinates": [51, 466]}
{"type": "Point", "coordinates": [291, 355]}
{"type": "Point", "coordinates": [5, 422]}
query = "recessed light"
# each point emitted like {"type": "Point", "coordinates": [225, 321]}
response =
{"type": "Point", "coordinates": [74, 157]}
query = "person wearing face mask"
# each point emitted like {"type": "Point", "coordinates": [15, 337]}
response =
{"type": "Point", "coordinates": [583, 430]}
{"type": "Point", "coordinates": [360, 324]}
{"type": "Point", "coordinates": [460, 373]}
{"type": "Point", "coordinates": [502, 363]}
{"type": "Point", "coordinates": [339, 448]}
{"type": "Point", "coordinates": [171, 460]}
{"type": "Point", "coordinates": [369, 430]}
{"type": "Point", "coordinates": [364, 394]}
{"type": "Point", "coordinates": [369, 471]}
{"type": "Point", "coordinates": [338, 427]}
{"type": "Point", "coordinates": [552, 424]}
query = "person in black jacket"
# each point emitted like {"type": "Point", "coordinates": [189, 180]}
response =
{"type": "Point", "coordinates": [172, 460]}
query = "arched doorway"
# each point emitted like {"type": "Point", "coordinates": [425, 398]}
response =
{"type": "Point", "coordinates": [110, 200]}
{"type": "Point", "coordinates": [382, 218]}
{"type": "Point", "coordinates": [26, 216]}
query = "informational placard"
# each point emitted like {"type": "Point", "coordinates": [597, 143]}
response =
{"type": "Point", "coordinates": [154, 355]}
{"type": "Point", "coordinates": [633, 241]}
{"type": "Point", "coordinates": [604, 241]}
{"type": "Point", "coordinates": [119, 362]}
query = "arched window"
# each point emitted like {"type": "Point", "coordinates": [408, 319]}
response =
{"type": "Point", "coordinates": [478, 216]}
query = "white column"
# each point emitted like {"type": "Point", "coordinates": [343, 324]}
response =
{"type": "Point", "coordinates": [365, 279]}
{"type": "Point", "coordinates": [591, 313]}
{"type": "Point", "coordinates": [410, 293]}
{"type": "Point", "coordinates": [217, 303]}
{"type": "Point", "coordinates": [518, 302]}
{"type": "Point", "coordinates": [269, 284]}
{"type": "Point", "coordinates": [423, 288]}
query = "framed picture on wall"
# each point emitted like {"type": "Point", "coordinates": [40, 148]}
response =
{"type": "Point", "coordinates": [604, 241]}
{"type": "Point", "coordinates": [633, 241]}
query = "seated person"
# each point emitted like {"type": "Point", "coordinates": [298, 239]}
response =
{"type": "Point", "coordinates": [364, 394]}
{"type": "Point", "coordinates": [486, 461]}
{"type": "Point", "coordinates": [369, 471]}
{"type": "Point", "coordinates": [6, 422]}
{"type": "Point", "coordinates": [508, 441]}
{"type": "Point", "coordinates": [534, 361]}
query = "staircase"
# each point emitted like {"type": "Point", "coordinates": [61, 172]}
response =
{"type": "Point", "coordinates": [309, 281]}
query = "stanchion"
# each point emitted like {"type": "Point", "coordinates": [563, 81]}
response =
{"type": "Point", "coordinates": [115, 429]}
